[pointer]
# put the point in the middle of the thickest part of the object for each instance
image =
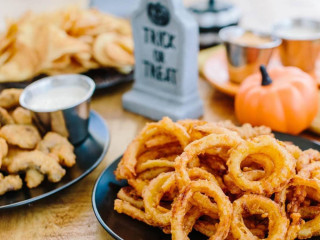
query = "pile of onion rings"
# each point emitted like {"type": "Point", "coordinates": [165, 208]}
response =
{"type": "Point", "coordinates": [226, 182]}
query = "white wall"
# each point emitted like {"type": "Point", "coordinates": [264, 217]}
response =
{"type": "Point", "coordinates": [257, 14]}
{"type": "Point", "coordinates": [262, 14]}
{"type": "Point", "coordinates": [14, 8]}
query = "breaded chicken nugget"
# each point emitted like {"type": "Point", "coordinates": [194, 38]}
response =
{"type": "Point", "coordinates": [22, 116]}
{"type": "Point", "coordinates": [10, 97]}
{"type": "Point", "coordinates": [5, 117]}
{"type": "Point", "coordinates": [24, 160]}
{"type": "Point", "coordinates": [59, 146]}
{"type": "Point", "coordinates": [9, 183]}
{"type": "Point", "coordinates": [33, 178]}
{"type": "Point", "coordinates": [3, 149]}
{"type": "Point", "coordinates": [24, 136]}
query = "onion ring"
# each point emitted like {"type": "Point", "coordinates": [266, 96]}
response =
{"type": "Point", "coordinates": [125, 207]}
{"type": "Point", "coordinates": [299, 228]}
{"type": "Point", "coordinates": [126, 168]}
{"type": "Point", "coordinates": [129, 195]}
{"type": "Point", "coordinates": [256, 204]}
{"type": "Point", "coordinates": [152, 195]}
{"type": "Point", "coordinates": [284, 165]}
{"type": "Point", "coordinates": [308, 170]}
{"type": "Point", "coordinates": [197, 147]}
{"type": "Point", "coordinates": [306, 157]}
{"type": "Point", "coordinates": [180, 209]}
{"type": "Point", "coordinates": [312, 227]}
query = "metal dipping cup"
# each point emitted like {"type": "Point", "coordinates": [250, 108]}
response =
{"type": "Point", "coordinates": [70, 121]}
{"type": "Point", "coordinates": [245, 58]}
{"type": "Point", "coordinates": [300, 42]}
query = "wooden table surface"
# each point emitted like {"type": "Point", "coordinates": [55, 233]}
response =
{"type": "Point", "coordinates": [69, 214]}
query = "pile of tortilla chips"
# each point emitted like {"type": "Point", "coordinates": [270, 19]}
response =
{"type": "Point", "coordinates": [70, 40]}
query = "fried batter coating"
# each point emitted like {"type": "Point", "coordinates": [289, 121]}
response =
{"type": "Point", "coordinates": [9, 183]}
{"type": "Point", "coordinates": [129, 194]}
{"type": "Point", "coordinates": [246, 130]}
{"type": "Point", "coordinates": [125, 207]}
{"type": "Point", "coordinates": [7, 159]}
{"type": "Point", "coordinates": [10, 97]}
{"type": "Point", "coordinates": [24, 136]}
{"type": "Point", "coordinates": [24, 160]}
{"type": "Point", "coordinates": [3, 149]}
{"type": "Point", "coordinates": [5, 117]}
{"type": "Point", "coordinates": [307, 156]}
{"type": "Point", "coordinates": [22, 116]}
{"type": "Point", "coordinates": [58, 146]}
{"type": "Point", "coordinates": [293, 149]}
{"type": "Point", "coordinates": [33, 178]}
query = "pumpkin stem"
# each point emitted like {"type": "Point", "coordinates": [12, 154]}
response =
{"type": "Point", "coordinates": [266, 80]}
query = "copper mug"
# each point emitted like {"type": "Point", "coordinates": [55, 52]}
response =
{"type": "Point", "coordinates": [300, 42]}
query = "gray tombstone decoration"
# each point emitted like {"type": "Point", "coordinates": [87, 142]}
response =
{"type": "Point", "coordinates": [166, 56]}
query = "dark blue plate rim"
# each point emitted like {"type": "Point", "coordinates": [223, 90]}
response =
{"type": "Point", "coordinates": [96, 163]}
{"type": "Point", "coordinates": [94, 205]}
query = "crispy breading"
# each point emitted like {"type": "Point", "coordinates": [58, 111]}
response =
{"type": "Point", "coordinates": [5, 117]}
{"type": "Point", "coordinates": [306, 157]}
{"type": "Point", "coordinates": [21, 161]}
{"type": "Point", "coordinates": [24, 136]}
{"type": "Point", "coordinates": [33, 178]}
{"type": "Point", "coordinates": [3, 149]}
{"type": "Point", "coordinates": [59, 146]}
{"type": "Point", "coordinates": [7, 160]}
{"type": "Point", "coordinates": [22, 116]}
{"type": "Point", "coordinates": [246, 130]}
{"type": "Point", "coordinates": [9, 183]}
{"type": "Point", "coordinates": [10, 97]}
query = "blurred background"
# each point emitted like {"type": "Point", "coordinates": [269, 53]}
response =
{"type": "Point", "coordinates": [256, 14]}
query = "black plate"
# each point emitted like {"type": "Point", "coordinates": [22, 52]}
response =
{"type": "Point", "coordinates": [123, 227]}
{"type": "Point", "coordinates": [103, 78]}
{"type": "Point", "coordinates": [89, 154]}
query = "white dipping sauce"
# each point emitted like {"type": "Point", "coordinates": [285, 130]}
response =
{"type": "Point", "coordinates": [57, 98]}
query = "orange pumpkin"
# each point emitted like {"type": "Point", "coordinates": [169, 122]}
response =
{"type": "Point", "coordinates": [285, 100]}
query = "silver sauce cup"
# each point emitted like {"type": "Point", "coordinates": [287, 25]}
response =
{"type": "Point", "coordinates": [69, 120]}
{"type": "Point", "coordinates": [245, 58]}
{"type": "Point", "coordinates": [300, 42]}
